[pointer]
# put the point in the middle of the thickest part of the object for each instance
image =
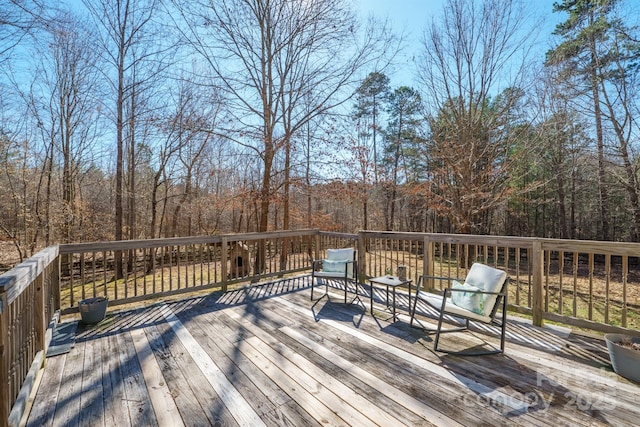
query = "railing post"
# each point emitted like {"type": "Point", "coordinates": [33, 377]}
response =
{"type": "Point", "coordinates": [5, 399]}
{"type": "Point", "coordinates": [40, 318]}
{"type": "Point", "coordinates": [537, 264]}
{"type": "Point", "coordinates": [427, 262]}
{"type": "Point", "coordinates": [224, 254]}
{"type": "Point", "coordinates": [317, 247]}
{"type": "Point", "coordinates": [362, 258]}
{"type": "Point", "coordinates": [427, 259]}
{"type": "Point", "coordinates": [55, 283]}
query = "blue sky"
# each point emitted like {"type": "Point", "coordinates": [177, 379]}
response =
{"type": "Point", "coordinates": [413, 15]}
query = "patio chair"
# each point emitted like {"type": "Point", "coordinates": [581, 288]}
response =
{"type": "Point", "coordinates": [478, 299]}
{"type": "Point", "coordinates": [340, 265]}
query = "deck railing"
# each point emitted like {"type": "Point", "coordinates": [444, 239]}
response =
{"type": "Point", "coordinates": [28, 301]}
{"type": "Point", "coordinates": [132, 271]}
{"type": "Point", "coordinates": [587, 284]}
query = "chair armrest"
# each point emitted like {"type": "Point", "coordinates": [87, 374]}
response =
{"type": "Point", "coordinates": [346, 261]}
{"type": "Point", "coordinates": [479, 291]}
{"type": "Point", "coordinates": [420, 278]}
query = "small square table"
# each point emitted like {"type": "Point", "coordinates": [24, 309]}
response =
{"type": "Point", "coordinates": [394, 282]}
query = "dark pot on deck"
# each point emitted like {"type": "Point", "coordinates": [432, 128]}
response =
{"type": "Point", "coordinates": [93, 310]}
{"type": "Point", "coordinates": [625, 360]}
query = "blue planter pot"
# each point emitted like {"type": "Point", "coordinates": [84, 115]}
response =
{"type": "Point", "coordinates": [93, 310]}
{"type": "Point", "coordinates": [625, 361]}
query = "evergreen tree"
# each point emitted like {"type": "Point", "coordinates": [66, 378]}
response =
{"type": "Point", "coordinates": [405, 108]}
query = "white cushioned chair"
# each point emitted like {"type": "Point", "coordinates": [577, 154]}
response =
{"type": "Point", "coordinates": [340, 264]}
{"type": "Point", "coordinates": [478, 298]}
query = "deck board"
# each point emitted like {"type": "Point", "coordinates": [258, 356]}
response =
{"type": "Point", "coordinates": [116, 411]}
{"type": "Point", "coordinates": [44, 408]}
{"type": "Point", "coordinates": [215, 372]}
{"type": "Point", "coordinates": [371, 357]}
{"type": "Point", "coordinates": [91, 400]}
{"type": "Point", "coordinates": [67, 412]}
{"type": "Point", "coordinates": [258, 386]}
{"type": "Point", "coordinates": [266, 355]}
{"type": "Point", "coordinates": [163, 403]}
{"type": "Point", "coordinates": [208, 400]}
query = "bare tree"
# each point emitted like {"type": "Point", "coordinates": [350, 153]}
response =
{"type": "Point", "coordinates": [131, 51]}
{"type": "Point", "coordinates": [18, 19]}
{"type": "Point", "coordinates": [561, 149]}
{"type": "Point", "coordinates": [275, 57]}
{"type": "Point", "coordinates": [472, 66]}
{"type": "Point", "coordinates": [69, 80]}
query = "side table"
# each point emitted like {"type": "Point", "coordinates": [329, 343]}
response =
{"type": "Point", "coordinates": [393, 282]}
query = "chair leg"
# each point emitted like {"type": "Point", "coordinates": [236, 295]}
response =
{"type": "Point", "coordinates": [437, 337]}
{"type": "Point", "coordinates": [346, 284]}
{"type": "Point", "coordinates": [504, 323]}
{"type": "Point", "coordinates": [413, 312]}
{"type": "Point", "coordinates": [313, 279]}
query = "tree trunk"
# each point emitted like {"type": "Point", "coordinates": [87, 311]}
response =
{"type": "Point", "coordinates": [119, 161]}
{"type": "Point", "coordinates": [604, 194]}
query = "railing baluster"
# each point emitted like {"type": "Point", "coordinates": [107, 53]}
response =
{"type": "Point", "coordinates": [162, 256]}
{"type": "Point", "coordinates": [625, 276]}
{"type": "Point", "coordinates": [201, 262]}
{"type": "Point", "coordinates": [591, 267]}
{"type": "Point", "coordinates": [607, 267]}
{"type": "Point", "coordinates": [560, 287]}
{"type": "Point", "coordinates": [547, 255]}
{"type": "Point", "coordinates": [143, 261]}
{"type": "Point", "coordinates": [517, 268]}
{"type": "Point", "coordinates": [575, 284]}
{"type": "Point", "coordinates": [132, 267]}
{"type": "Point", "coordinates": [93, 274]}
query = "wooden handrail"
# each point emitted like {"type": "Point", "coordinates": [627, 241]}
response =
{"type": "Point", "coordinates": [24, 318]}
{"type": "Point", "coordinates": [589, 276]}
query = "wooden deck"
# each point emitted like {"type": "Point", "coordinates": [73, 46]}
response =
{"type": "Point", "coordinates": [264, 356]}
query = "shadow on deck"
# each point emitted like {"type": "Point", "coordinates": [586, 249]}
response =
{"type": "Point", "coordinates": [265, 355]}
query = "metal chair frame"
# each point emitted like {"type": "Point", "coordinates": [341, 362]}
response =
{"type": "Point", "coordinates": [501, 303]}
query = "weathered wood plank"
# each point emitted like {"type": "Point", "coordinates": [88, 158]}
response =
{"type": "Point", "coordinates": [15, 281]}
{"type": "Point", "coordinates": [516, 376]}
{"type": "Point", "coordinates": [286, 410]}
{"type": "Point", "coordinates": [310, 372]}
{"type": "Point", "coordinates": [320, 385]}
{"type": "Point", "coordinates": [294, 366]}
{"type": "Point", "coordinates": [211, 404]}
{"type": "Point", "coordinates": [185, 398]}
{"type": "Point", "coordinates": [116, 411]}
{"type": "Point", "coordinates": [68, 404]}
{"type": "Point", "coordinates": [164, 405]}
{"type": "Point", "coordinates": [440, 392]}
{"type": "Point", "coordinates": [372, 395]}
{"type": "Point", "coordinates": [124, 245]}
{"type": "Point", "coordinates": [254, 389]}
{"type": "Point", "coordinates": [44, 405]}
{"type": "Point", "coordinates": [136, 395]}
{"type": "Point", "coordinates": [348, 367]}
{"type": "Point", "coordinates": [232, 399]}
{"type": "Point", "coordinates": [476, 387]}
{"type": "Point", "coordinates": [308, 401]}
{"type": "Point", "coordinates": [91, 403]}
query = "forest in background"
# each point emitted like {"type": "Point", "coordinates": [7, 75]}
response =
{"type": "Point", "coordinates": [123, 119]}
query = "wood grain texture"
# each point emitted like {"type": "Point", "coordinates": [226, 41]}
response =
{"type": "Point", "coordinates": [263, 355]}
{"type": "Point", "coordinates": [164, 406]}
